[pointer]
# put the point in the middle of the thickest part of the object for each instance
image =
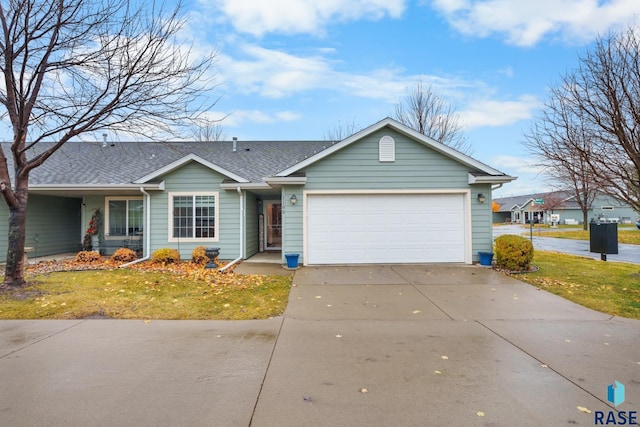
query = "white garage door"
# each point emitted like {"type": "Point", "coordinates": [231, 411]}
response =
{"type": "Point", "coordinates": [388, 228]}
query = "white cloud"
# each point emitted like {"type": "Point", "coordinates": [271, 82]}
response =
{"type": "Point", "coordinates": [259, 17]}
{"type": "Point", "coordinates": [526, 22]}
{"type": "Point", "coordinates": [239, 118]}
{"type": "Point", "coordinates": [499, 113]}
{"type": "Point", "coordinates": [517, 165]}
{"type": "Point", "coordinates": [272, 73]}
{"type": "Point", "coordinates": [276, 74]}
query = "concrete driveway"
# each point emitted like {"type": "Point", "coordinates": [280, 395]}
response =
{"type": "Point", "coordinates": [407, 345]}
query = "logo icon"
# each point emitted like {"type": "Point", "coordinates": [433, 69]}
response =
{"type": "Point", "coordinates": [615, 393]}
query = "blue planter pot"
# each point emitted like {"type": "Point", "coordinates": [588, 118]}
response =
{"type": "Point", "coordinates": [292, 260]}
{"type": "Point", "coordinates": [485, 258]}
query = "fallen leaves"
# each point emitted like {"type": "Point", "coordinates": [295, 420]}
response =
{"type": "Point", "coordinates": [147, 290]}
{"type": "Point", "coordinates": [583, 409]}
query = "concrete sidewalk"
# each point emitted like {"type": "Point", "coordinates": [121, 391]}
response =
{"type": "Point", "coordinates": [410, 345]}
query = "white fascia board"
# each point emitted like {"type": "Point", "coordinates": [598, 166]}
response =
{"type": "Point", "coordinates": [484, 179]}
{"type": "Point", "coordinates": [294, 180]}
{"type": "Point", "coordinates": [96, 187]}
{"type": "Point", "coordinates": [183, 161]}
{"type": "Point", "coordinates": [244, 186]}
{"type": "Point", "coordinates": [399, 127]}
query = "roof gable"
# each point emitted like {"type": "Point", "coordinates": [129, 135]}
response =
{"type": "Point", "coordinates": [398, 127]}
{"type": "Point", "coordinates": [185, 160]}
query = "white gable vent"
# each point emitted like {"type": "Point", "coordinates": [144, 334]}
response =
{"type": "Point", "coordinates": [387, 149]}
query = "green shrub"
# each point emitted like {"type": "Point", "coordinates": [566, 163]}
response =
{"type": "Point", "coordinates": [199, 256]}
{"type": "Point", "coordinates": [87, 256]}
{"type": "Point", "coordinates": [513, 253]}
{"type": "Point", "coordinates": [166, 256]}
{"type": "Point", "coordinates": [124, 255]}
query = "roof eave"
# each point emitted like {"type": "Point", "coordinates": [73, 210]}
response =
{"type": "Point", "coordinates": [293, 180]}
{"type": "Point", "coordinates": [490, 179]}
{"type": "Point", "coordinates": [96, 187]}
{"type": "Point", "coordinates": [244, 186]}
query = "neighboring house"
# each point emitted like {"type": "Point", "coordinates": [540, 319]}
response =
{"type": "Point", "coordinates": [386, 194]}
{"type": "Point", "coordinates": [519, 209]}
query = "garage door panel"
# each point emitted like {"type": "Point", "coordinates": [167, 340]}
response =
{"type": "Point", "coordinates": [356, 228]}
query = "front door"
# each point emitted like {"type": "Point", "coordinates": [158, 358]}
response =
{"type": "Point", "coordinates": [274, 225]}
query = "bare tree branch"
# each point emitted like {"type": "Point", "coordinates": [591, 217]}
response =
{"type": "Point", "coordinates": [431, 115]}
{"type": "Point", "coordinates": [342, 131]}
{"type": "Point", "coordinates": [208, 130]}
{"type": "Point", "coordinates": [71, 67]}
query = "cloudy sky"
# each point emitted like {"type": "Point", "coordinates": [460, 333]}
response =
{"type": "Point", "coordinates": [296, 69]}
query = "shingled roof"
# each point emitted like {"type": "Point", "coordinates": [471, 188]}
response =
{"type": "Point", "coordinates": [125, 162]}
{"type": "Point", "coordinates": [508, 203]}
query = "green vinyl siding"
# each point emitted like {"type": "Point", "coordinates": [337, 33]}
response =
{"type": "Point", "coordinates": [192, 178]}
{"type": "Point", "coordinates": [251, 225]}
{"type": "Point", "coordinates": [481, 221]}
{"type": "Point", "coordinates": [292, 221]}
{"type": "Point", "coordinates": [416, 167]}
{"type": "Point", "coordinates": [53, 225]}
{"type": "Point", "coordinates": [357, 167]}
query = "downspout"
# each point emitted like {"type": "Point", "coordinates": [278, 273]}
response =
{"type": "Point", "coordinates": [235, 261]}
{"type": "Point", "coordinates": [147, 234]}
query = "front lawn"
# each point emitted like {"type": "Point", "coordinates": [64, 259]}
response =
{"type": "Point", "coordinates": [148, 291]}
{"type": "Point", "coordinates": [625, 235]}
{"type": "Point", "coordinates": [609, 287]}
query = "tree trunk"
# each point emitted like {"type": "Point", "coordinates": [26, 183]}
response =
{"type": "Point", "coordinates": [585, 217]}
{"type": "Point", "coordinates": [14, 270]}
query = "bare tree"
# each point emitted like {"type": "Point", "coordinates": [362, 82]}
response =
{"type": "Point", "coordinates": [71, 67]}
{"type": "Point", "coordinates": [207, 130]}
{"type": "Point", "coordinates": [431, 115]}
{"type": "Point", "coordinates": [342, 131]}
{"type": "Point", "coordinates": [603, 94]}
{"type": "Point", "coordinates": [560, 139]}
{"type": "Point", "coordinates": [552, 202]}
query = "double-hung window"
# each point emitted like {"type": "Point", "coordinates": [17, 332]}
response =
{"type": "Point", "coordinates": [124, 216]}
{"type": "Point", "coordinates": [193, 217]}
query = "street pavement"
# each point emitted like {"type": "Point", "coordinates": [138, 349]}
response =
{"type": "Point", "coordinates": [626, 253]}
{"type": "Point", "coordinates": [401, 345]}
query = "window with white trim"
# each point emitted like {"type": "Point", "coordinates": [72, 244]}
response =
{"type": "Point", "coordinates": [124, 216]}
{"type": "Point", "coordinates": [387, 149]}
{"type": "Point", "coordinates": [193, 216]}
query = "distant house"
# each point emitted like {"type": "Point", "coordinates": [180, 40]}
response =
{"type": "Point", "coordinates": [522, 209]}
{"type": "Point", "coordinates": [386, 194]}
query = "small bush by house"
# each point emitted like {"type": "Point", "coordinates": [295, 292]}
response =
{"type": "Point", "coordinates": [513, 253]}
{"type": "Point", "coordinates": [87, 256]}
{"type": "Point", "coordinates": [199, 255]}
{"type": "Point", "coordinates": [166, 256]}
{"type": "Point", "coordinates": [124, 255]}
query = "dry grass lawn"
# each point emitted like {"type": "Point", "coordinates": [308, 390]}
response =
{"type": "Point", "coordinates": [147, 291]}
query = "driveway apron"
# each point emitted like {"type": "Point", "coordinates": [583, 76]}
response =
{"type": "Point", "coordinates": [421, 345]}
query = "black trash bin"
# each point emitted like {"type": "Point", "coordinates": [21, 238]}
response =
{"type": "Point", "coordinates": [603, 237]}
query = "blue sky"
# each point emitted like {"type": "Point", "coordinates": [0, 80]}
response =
{"type": "Point", "coordinates": [295, 69]}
